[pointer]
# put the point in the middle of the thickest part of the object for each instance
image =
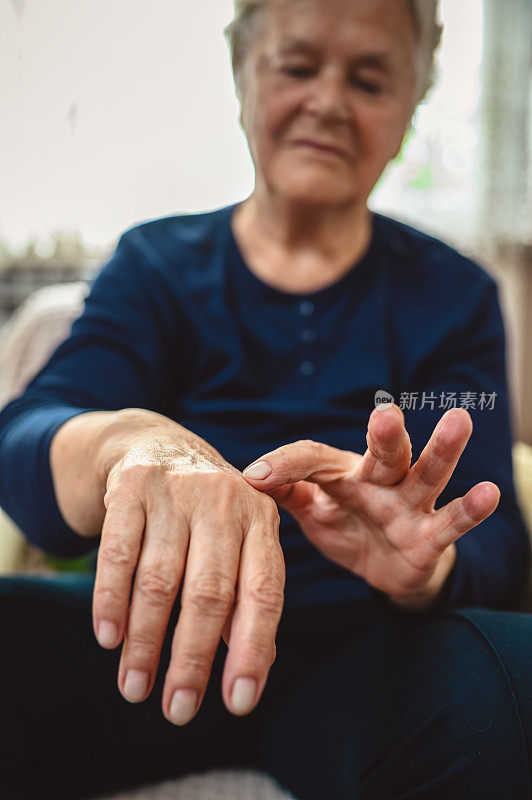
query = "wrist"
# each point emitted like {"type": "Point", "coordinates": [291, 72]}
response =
{"type": "Point", "coordinates": [130, 426]}
{"type": "Point", "coordinates": [118, 431]}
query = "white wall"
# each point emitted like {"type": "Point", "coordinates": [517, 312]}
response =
{"type": "Point", "coordinates": [114, 112]}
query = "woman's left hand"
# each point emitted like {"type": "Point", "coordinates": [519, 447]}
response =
{"type": "Point", "coordinates": [374, 514]}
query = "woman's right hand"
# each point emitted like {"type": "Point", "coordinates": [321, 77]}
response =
{"type": "Point", "coordinates": [174, 513]}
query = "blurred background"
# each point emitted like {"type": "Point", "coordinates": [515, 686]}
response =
{"type": "Point", "coordinates": [113, 114]}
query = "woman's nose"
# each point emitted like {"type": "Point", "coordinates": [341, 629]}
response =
{"type": "Point", "coordinates": [329, 96]}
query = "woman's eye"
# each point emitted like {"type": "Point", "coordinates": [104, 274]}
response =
{"type": "Point", "coordinates": [370, 88]}
{"type": "Point", "coordinates": [304, 72]}
{"type": "Point", "coordinates": [297, 72]}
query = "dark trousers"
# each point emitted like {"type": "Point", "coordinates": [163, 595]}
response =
{"type": "Point", "coordinates": [358, 705]}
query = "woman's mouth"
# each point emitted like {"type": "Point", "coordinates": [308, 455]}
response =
{"type": "Point", "coordinates": [319, 148]}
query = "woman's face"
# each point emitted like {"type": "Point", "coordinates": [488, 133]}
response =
{"type": "Point", "coordinates": [339, 72]}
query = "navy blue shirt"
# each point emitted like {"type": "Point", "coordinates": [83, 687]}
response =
{"type": "Point", "coordinates": [176, 322]}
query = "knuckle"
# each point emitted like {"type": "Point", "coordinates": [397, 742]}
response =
{"type": "Point", "coordinates": [117, 551]}
{"type": "Point", "coordinates": [157, 586]}
{"type": "Point", "coordinates": [307, 448]}
{"type": "Point", "coordinates": [145, 650]}
{"type": "Point", "coordinates": [389, 458]}
{"type": "Point", "coordinates": [426, 479]}
{"type": "Point", "coordinates": [214, 595]}
{"type": "Point", "coordinates": [112, 495]}
{"type": "Point", "coordinates": [118, 494]}
{"type": "Point", "coordinates": [226, 488]}
{"type": "Point", "coordinates": [266, 592]}
{"type": "Point", "coordinates": [311, 445]}
{"type": "Point", "coordinates": [222, 481]}
{"type": "Point", "coordinates": [132, 474]}
{"type": "Point", "coordinates": [256, 652]}
{"type": "Point", "coordinates": [194, 662]}
{"type": "Point", "coordinates": [107, 596]}
{"type": "Point", "coordinates": [230, 490]}
{"type": "Point", "coordinates": [270, 510]}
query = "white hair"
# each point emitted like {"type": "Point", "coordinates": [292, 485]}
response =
{"type": "Point", "coordinates": [241, 31]}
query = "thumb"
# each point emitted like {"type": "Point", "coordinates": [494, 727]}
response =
{"type": "Point", "coordinates": [294, 497]}
{"type": "Point", "coordinates": [300, 463]}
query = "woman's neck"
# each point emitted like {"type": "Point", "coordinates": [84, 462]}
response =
{"type": "Point", "coordinates": [300, 248]}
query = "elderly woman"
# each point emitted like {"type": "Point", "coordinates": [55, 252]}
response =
{"type": "Point", "coordinates": [373, 644]}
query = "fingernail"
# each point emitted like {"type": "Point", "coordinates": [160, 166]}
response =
{"type": "Point", "coordinates": [383, 406]}
{"type": "Point", "coordinates": [135, 685]}
{"type": "Point", "coordinates": [243, 697]}
{"type": "Point", "coordinates": [259, 470]}
{"type": "Point", "coordinates": [107, 633]}
{"type": "Point", "coordinates": [183, 706]}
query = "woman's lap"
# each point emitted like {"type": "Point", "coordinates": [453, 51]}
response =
{"type": "Point", "coordinates": [64, 715]}
{"type": "Point", "coordinates": [439, 709]}
{"type": "Point", "coordinates": [65, 729]}
{"type": "Point", "coordinates": [380, 708]}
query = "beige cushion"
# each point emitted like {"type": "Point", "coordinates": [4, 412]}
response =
{"type": "Point", "coordinates": [33, 332]}
{"type": "Point", "coordinates": [522, 459]}
{"type": "Point", "coordinates": [229, 784]}
{"type": "Point", "coordinates": [27, 340]}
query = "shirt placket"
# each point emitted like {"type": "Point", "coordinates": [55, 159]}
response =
{"type": "Point", "coordinates": [307, 344]}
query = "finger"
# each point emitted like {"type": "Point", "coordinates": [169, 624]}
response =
{"type": "Point", "coordinates": [117, 559]}
{"type": "Point", "coordinates": [304, 460]}
{"type": "Point", "coordinates": [463, 513]}
{"type": "Point", "coordinates": [387, 459]}
{"type": "Point", "coordinates": [226, 633]}
{"type": "Point", "coordinates": [157, 580]}
{"type": "Point", "coordinates": [430, 474]}
{"type": "Point", "coordinates": [258, 611]}
{"type": "Point", "coordinates": [206, 600]}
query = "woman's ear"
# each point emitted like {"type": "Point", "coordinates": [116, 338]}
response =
{"type": "Point", "coordinates": [409, 129]}
{"type": "Point", "coordinates": [241, 100]}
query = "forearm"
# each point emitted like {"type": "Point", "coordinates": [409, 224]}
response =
{"type": "Point", "coordinates": [75, 469]}
{"type": "Point", "coordinates": [86, 447]}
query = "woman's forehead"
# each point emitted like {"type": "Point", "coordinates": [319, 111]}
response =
{"type": "Point", "coordinates": [306, 25]}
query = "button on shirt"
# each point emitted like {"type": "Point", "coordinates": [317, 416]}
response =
{"type": "Point", "coordinates": [306, 308]}
{"type": "Point", "coordinates": [177, 322]}
{"type": "Point", "coordinates": [308, 336]}
{"type": "Point", "coordinates": [307, 368]}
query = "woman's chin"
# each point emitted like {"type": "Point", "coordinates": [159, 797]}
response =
{"type": "Point", "coordinates": [316, 192]}
{"type": "Point", "coordinates": [314, 182]}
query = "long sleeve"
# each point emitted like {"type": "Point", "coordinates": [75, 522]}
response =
{"type": "Point", "coordinates": [114, 357]}
{"type": "Point", "coordinates": [493, 559]}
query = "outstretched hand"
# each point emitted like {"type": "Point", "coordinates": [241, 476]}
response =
{"type": "Point", "coordinates": [374, 513]}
